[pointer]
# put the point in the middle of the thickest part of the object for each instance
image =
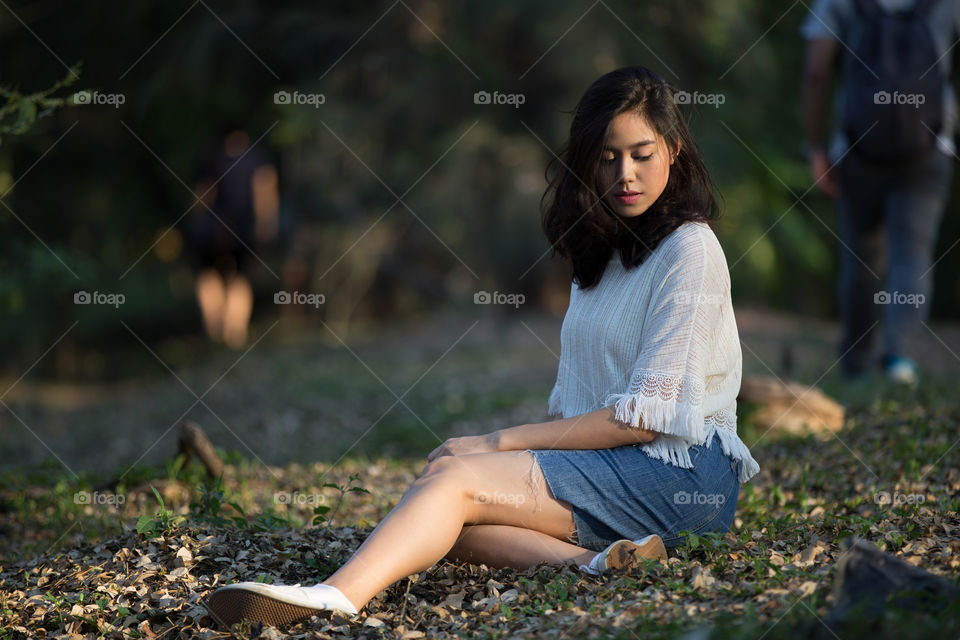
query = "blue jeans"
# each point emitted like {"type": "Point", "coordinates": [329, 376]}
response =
{"type": "Point", "coordinates": [888, 221]}
{"type": "Point", "coordinates": [624, 493]}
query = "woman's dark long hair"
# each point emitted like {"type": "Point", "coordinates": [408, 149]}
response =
{"type": "Point", "coordinates": [576, 220]}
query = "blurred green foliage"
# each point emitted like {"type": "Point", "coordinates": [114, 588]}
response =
{"type": "Point", "coordinates": [19, 112]}
{"type": "Point", "coordinates": [102, 188]}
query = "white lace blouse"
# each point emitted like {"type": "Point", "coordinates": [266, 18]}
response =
{"type": "Point", "coordinates": [659, 342]}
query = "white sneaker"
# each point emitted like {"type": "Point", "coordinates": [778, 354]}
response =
{"type": "Point", "coordinates": [274, 604]}
{"type": "Point", "coordinates": [626, 555]}
{"type": "Point", "coordinates": [902, 371]}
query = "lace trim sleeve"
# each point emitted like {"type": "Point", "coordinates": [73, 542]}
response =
{"type": "Point", "coordinates": [664, 403]}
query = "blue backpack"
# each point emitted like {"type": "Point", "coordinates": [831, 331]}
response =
{"type": "Point", "coordinates": [893, 84]}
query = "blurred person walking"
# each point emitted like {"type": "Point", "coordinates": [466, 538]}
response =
{"type": "Point", "coordinates": [888, 164]}
{"type": "Point", "coordinates": [235, 213]}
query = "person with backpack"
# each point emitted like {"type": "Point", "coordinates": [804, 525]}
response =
{"type": "Point", "coordinates": [888, 164]}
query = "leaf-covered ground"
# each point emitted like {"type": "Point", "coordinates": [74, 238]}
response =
{"type": "Point", "coordinates": [891, 477]}
{"type": "Point", "coordinates": [133, 553]}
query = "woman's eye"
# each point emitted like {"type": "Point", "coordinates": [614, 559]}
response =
{"type": "Point", "coordinates": [612, 159]}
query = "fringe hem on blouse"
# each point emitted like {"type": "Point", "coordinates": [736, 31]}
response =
{"type": "Point", "coordinates": [553, 404]}
{"type": "Point", "coordinates": [674, 450]}
{"type": "Point", "coordinates": [680, 425]}
{"type": "Point", "coordinates": [733, 446]}
{"type": "Point", "coordinates": [672, 417]}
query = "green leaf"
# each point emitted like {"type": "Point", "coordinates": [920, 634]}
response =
{"type": "Point", "coordinates": [145, 524]}
{"type": "Point", "coordinates": [27, 113]}
{"type": "Point", "coordinates": [157, 494]}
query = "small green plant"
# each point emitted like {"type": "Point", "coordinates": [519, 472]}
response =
{"type": "Point", "coordinates": [325, 564]}
{"type": "Point", "coordinates": [320, 512]}
{"type": "Point", "coordinates": [209, 508]}
{"type": "Point", "coordinates": [269, 520]}
{"type": "Point", "coordinates": [175, 466]}
{"type": "Point", "coordinates": [160, 522]}
{"type": "Point", "coordinates": [59, 605]}
{"type": "Point", "coordinates": [710, 545]}
{"type": "Point", "coordinates": [561, 589]}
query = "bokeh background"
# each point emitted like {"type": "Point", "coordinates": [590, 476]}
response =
{"type": "Point", "coordinates": [400, 195]}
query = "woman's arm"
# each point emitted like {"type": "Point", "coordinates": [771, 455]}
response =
{"type": "Point", "coordinates": [595, 430]}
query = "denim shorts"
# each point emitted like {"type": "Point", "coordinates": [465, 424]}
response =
{"type": "Point", "coordinates": [624, 493]}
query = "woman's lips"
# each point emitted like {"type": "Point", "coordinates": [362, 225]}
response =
{"type": "Point", "coordinates": [627, 197]}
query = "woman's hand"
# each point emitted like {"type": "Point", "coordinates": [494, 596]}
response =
{"type": "Point", "coordinates": [465, 446]}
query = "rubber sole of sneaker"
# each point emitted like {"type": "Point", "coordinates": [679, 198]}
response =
{"type": "Point", "coordinates": [629, 555]}
{"type": "Point", "coordinates": [233, 606]}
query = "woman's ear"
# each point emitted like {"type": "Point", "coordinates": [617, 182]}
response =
{"type": "Point", "coordinates": [676, 152]}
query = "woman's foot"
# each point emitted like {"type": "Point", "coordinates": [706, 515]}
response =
{"type": "Point", "coordinates": [626, 555]}
{"type": "Point", "coordinates": [272, 604]}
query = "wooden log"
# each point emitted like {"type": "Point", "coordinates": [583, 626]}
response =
{"type": "Point", "coordinates": [788, 406]}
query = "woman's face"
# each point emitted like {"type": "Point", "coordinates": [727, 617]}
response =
{"type": "Point", "coordinates": [634, 165]}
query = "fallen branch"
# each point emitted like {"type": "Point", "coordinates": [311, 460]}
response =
{"type": "Point", "coordinates": [193, 441]}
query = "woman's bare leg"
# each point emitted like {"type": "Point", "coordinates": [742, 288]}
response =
{"type": "Point", "coordinates": [503, 488]}
{"type": "Point", "coordinates": [499, 545]}
{"type": "Point", "coordinates": [236, 312]}
{"type": "Point", "coordinates": [211, 296]}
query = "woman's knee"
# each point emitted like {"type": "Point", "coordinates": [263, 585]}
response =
{"type": "Point", "coordinates": [500, 488]}
{"type": "Point", "coordinates": [436, 467]}
{"type": "Point", "coordinates": [472, 481]}
{"type": "Point", "coordinates": [449, 469]}
{"type": "Point", "coordinates": [448, 473]}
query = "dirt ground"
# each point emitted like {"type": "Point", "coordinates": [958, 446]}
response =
{"type": "Point", "coordinates": [301, 395]}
